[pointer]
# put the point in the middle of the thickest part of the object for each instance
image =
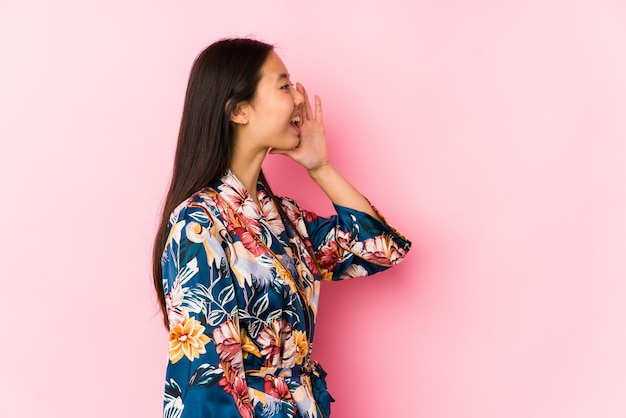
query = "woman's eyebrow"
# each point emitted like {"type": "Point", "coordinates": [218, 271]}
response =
{"type": "Point", "coordinates": [283, 75]}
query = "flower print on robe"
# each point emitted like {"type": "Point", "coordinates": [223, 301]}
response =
{"type": "Point", "coordinates": [241, 293]}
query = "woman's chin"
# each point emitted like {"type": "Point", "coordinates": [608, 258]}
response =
{"type": "Point", "coordinates": [288, 145]}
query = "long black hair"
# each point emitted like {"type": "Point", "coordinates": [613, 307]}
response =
{"type": "Point", "coordinates": [224, 74]}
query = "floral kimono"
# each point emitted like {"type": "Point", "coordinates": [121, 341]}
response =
{"type": "Point", "coordinates": [241, 292]}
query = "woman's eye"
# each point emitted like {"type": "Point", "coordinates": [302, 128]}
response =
{"type": "Point", "coordinates": [286, 86]}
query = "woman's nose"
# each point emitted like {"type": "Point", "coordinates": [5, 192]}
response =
{"type": "Point", "coordinates": [298, 98]}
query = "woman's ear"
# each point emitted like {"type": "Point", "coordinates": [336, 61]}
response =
{"type": "Point", "coordinates": [239, 114]}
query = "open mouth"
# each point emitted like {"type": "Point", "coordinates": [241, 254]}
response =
{"type": "Point", "coordinates": [295, 123]}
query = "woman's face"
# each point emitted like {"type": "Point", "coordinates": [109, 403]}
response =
{"type": "Point", "coordinates": [274, 114]}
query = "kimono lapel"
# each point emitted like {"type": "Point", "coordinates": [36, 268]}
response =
{"type": "Point", "coordinates": [265, 221]}
{"type": "Point", "coordinates": [237, 198]}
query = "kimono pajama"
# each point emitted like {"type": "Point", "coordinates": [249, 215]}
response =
{"type": "Point", "coordinates": [241, 293]}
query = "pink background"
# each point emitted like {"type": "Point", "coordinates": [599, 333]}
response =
{"type": "Point", "coordinates": [491, 133]}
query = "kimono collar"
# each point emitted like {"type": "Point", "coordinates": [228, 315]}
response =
{"type": "Point", "coordinates": [232, 190]}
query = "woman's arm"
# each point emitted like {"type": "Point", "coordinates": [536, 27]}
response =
{"type": "Point", "coordinates": [205, 376]}
{"type": "Point", "coordinates": [340, 191]}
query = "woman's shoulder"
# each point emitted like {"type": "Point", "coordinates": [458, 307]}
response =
{"type": "Point", "coordinates": [199, 207]}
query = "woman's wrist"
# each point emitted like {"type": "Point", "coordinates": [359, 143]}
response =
{"type": "Point", "coordinates": [318, 173]}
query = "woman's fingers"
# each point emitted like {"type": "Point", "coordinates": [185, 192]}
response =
{"type": "Point", "coordinates": [318, 109]}
{"type": "Point", "coordinates": [308, 111]}
{"type": "Point", "coordinates": [307, 105]}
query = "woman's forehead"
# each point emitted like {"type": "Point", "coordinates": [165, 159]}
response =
{"type": "Point", "coordinates": [274, 67]}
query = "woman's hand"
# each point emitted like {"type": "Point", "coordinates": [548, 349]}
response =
{"type": "Point", "coordinates": [311, 152]}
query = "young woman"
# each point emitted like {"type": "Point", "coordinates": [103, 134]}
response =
{"type": "Point", "coordinates": [236, 268]}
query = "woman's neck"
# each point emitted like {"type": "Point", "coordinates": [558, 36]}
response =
{"type": "Point", "coordinates": [246, 165]}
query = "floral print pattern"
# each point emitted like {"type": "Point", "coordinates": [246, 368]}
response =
{"type": "Point", "coordinates": [241, 292]}
{"type": "Point", "coordinates": [187, 338]}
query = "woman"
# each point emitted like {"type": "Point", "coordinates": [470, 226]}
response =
{"type": "Point", "coordinates": [236, 268]}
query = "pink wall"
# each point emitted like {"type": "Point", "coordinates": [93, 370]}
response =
{"type": "Point", "coordinates": [492, 133]}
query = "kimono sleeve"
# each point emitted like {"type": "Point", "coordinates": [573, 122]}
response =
{"type": "Point", "coordinates": [205, 376]}
{"type": "Point", "coordinates": [353, 243]}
